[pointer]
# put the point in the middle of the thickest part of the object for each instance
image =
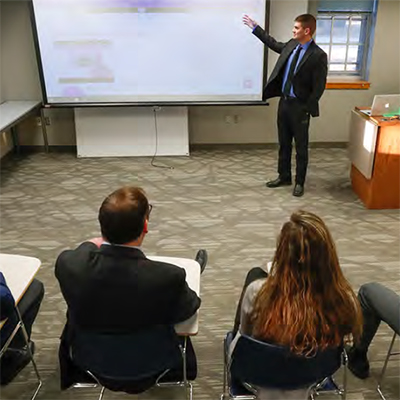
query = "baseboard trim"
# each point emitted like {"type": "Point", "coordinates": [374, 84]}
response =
{"type": "Point", "coordinates": [198, 146]}
{"type": "Point", "coordinates": [257, 146]}
{"type": "Point", "coordinates": [52, 149]}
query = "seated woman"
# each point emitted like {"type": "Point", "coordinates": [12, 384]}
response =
{"type": "Point", "coordinates": [305, 303]}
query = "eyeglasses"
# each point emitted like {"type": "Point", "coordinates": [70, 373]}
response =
{"type": "Point", "coordinates": [150, 208]}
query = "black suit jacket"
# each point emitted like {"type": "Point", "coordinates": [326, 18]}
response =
{"type": "Point", "coordinates": [117, 289]}
{"type": "Point", "coordinates": [310, 78]}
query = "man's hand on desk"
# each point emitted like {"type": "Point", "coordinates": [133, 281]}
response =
{"type": "Point", "coordinates": [98, 241]}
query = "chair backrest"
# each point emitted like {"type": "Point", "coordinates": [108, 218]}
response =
{"type": "Point", "coordinates": [131, 356]}
{"type": "Point", "coordinates": [272, 366]}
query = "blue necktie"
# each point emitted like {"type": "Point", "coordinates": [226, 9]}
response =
{"type": "Point", "coordinates": [288, 83]}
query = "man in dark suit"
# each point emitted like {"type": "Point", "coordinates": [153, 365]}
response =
{"type": "Point", "coordinates": [110, 286]}
{"type": "Point", "coordinates": [299, 79]}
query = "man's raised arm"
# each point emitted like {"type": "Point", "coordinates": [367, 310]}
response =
{"type": "Point", "coordinates": [262, 35]}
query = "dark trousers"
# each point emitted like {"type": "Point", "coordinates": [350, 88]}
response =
{"type": "Point", "coordinates": [28, 307]}
{"type": "Point", "coordinates": [293, 123]}
{"type": "Point", "coordinates": [253, 275]}
{"type": "Point", "coordinates": [378, 303]}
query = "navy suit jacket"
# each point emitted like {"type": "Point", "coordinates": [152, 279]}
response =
{"type": "Point", "coordinates": [7, 303]}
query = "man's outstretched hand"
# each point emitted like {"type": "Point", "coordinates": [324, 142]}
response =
{"type": "Point", "coordinates": [249, 22]}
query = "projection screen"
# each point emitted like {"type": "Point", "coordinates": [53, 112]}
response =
{"type": "Point", "coordinates": [94, 52]}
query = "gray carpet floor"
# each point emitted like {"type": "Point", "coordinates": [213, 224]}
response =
{"type": "Point", "coordinates": [215, 199]}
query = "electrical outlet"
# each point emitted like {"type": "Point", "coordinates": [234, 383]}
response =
{"type": "Point", "coordinates": [228, 119]}
{"type": "Point", "coordinates": [38, 121]}
{"type": "Point", "coordinates": [232, 119]}
{"type": "Point", "coordinates": [47, 120]}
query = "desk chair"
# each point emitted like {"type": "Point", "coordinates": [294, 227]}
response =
{"type": "Point", "coordinates": [389, 354]}
{"type": "Point", "coordinates": [21, 327]}
{"type": "Point", "coordinates": [255, 364]}
{"type": "Point", "coordinates": [131, 362]}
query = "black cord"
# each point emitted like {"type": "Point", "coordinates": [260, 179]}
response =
{"type": "Point", "coordinates": [155, 109]}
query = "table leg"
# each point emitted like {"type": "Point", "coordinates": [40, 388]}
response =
{"type": "Point", "coordinates": [44, 131]}
{"type": "Point", "coordinates": [15, 139]}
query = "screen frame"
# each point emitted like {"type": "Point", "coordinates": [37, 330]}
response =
{"type": "Point", "coordinates": [48, 104]}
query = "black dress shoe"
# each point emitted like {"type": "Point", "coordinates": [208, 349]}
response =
{"type": "Point", "coordinates": [202, 258]}
{"type": "Point", "coordinates": [298, 190]}
{"type": "Point", "coordinates": [279, 182]}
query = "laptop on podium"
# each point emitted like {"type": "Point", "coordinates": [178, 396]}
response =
{"type": "Point", "coordinates": [386, 105]}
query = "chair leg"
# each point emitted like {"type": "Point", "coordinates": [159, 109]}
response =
{"type": "Point", "coordinates": [343, 391]}
{"type": "Point", "coordinates": [190, 390]}
{"type": "Point", "coordinates": [26, 337]}
{"type": "Point", "coordinates": [188, 386]}
{"type": "Point", "coordinates": [384, 367]}
{"type": "Point", "coordinates": [10, 338]}
{"type": "Point", "coordinates": [102, 392]}
{"type": "Point", "coordinates": [225, 372]}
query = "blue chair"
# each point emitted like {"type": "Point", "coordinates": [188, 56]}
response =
{"type": "Point", "coordinates": [131, 362]}
{"type": "Point", "coordinates": [255, 364]}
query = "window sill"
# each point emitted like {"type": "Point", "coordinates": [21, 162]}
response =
{"type": "Point", "coordinates": [347, 84]}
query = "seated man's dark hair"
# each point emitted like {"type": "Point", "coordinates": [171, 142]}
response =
{"type": "Point", "coordinates": [123, 214]}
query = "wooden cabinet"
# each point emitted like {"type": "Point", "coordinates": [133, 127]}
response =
{"type": "Point", "coordinates": [375, 154]}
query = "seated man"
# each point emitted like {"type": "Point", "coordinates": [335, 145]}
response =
{"type": "Point", "coordinates": [378, 303]}
{"type": "Point", "coordinates": [109, 284]}
{"type": "Point", "coordinates": [16, 356]}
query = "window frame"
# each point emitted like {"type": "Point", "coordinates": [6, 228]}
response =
{"type": "Point", "coordinates": [366, 32]}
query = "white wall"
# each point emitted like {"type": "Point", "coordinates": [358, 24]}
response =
{"type": "Point", "coordinates": [20, 76]}
{"type": "Point", "coordinates": [1, 60]}
{"type": "Point", "coordinates": [208, 124]}
{"type": "Point", "coordinates": [336, 105]}
{"type": "Point", "coordinates": [258, 124]}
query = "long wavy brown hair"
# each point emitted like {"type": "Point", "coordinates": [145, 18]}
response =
{"type": "Point", "coordinates": [306, 303]}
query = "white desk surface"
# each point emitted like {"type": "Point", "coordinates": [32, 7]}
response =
{"type": "Point", "coordinates": [12, 111]}
{"type": "Point", "coordinates": [19, 272]}
{"type": "Point", "coordinates": [190, 327]}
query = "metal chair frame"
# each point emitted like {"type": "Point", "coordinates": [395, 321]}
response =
{"type": "Point", "coordinates": [187, 385]}
{"type": "Point", "coordinates": [312, 392]}
{"type": "Point", "coordinates": [389, 354]}
{"type": "Point", "coordinates": [20, 326]}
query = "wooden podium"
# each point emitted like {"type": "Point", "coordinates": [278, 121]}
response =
{"type": "Point", "coordinates": [375, 155]}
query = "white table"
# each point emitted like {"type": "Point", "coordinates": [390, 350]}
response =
{"type": "Point", "coordinates": [190, 327]}
{"type": "Point", "coordinates": [19, 272]}
{"type": "Point", "coordinates": [13, 112]}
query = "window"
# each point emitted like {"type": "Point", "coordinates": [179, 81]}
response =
{"type": "Point", "coordinates": [344, 29]}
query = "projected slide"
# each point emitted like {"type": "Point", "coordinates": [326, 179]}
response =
{"type": "Point", "coordinates": [113, 51]}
